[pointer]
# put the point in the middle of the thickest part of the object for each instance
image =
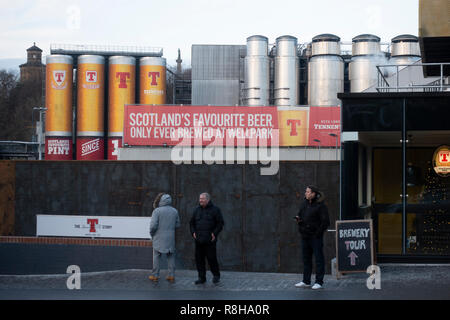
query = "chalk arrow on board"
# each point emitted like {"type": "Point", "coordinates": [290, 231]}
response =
{"type": "Point", "coordinates": [352, 257]}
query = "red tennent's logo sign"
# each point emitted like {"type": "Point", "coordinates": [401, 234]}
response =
{"type": "Point", "coordinates": [59, 76]}
{"type": "Point", "coordinates": [91, 76]}
{"type": "Point", "coordinates": [293, 123]}
{"type": "Point", "coordinates": [154, 76]}
{"type": "Point", "coordinates": [441, 161]}
{"type": "Point", "coordinates": [92, 223]}
{"type": "Point", "coordinates": [123, 76]}
{"type": "Point", "coordinates": [444, 156]}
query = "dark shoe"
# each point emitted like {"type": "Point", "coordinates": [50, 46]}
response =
{"type": "Point", "coordinates": [216, 279]}
{"type": "Point", "coordinates": [200, 281]}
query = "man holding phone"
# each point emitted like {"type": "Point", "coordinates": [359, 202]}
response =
{"type": "Point", "coordinates": [313, 221]}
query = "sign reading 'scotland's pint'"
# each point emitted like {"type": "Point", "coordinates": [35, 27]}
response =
{"type": "Point", "coordinates": [93, 226]}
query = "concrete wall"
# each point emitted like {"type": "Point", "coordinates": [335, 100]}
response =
{"type": "Point", "coordinates": [259, 233]}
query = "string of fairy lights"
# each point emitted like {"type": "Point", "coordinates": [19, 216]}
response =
{"type": "Point", "coordinates": [434, 238]}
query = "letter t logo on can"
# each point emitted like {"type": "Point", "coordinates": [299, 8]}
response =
{"type": "Point", "coordinates": [123, 76]}
{"type": "Point", "coordinates": [154, 76]}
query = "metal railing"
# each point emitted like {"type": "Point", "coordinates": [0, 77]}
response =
{"type": "Point", "coordinates": [105, 50]}
{"type": "Point", "coordinates": [383, 84]}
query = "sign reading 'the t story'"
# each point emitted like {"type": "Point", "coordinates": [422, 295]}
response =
{"type": "Point", "coordinates": [93, 226]}
{"type": "Point", "coordinates": [354, 245]}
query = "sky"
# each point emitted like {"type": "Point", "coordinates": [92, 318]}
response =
{"type": "Point", "coordinates": [173, 24]}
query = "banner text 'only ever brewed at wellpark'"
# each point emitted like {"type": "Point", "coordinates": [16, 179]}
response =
{"type": "Point", "coordinates": [159, 125]}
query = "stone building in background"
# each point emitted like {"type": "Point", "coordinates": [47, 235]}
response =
{"type": "Point", "coordinates": [33, 69]}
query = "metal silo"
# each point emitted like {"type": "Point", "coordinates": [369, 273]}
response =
{"type": "Point", "coordinates": [122, 83]}
{"type": "Point", "coordinates": [286, 87]}
{"type": "Point", "coordinates": [366, 55]}
{"type": "Point", "coordinates": [325, 71]}
{"type": "Point", "coordinates": [404, 50]}
{"type": "Point", "coordinates": [58, 101]}
{"type": "Point", "coordinates": [90, 107]}
{"type": "Point", "coordinates": [152, 80]}
{"type": "Point", "coordinates": [257, 68]}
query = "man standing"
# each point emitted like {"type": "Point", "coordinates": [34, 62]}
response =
{"type": "Point", "coordinates": [206, 224]}
{"type": "Point", "coordinates": [312, 220]}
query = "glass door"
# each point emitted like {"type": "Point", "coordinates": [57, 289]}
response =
{"type": "Point", "coordinates": [428, 196]}
{"type": "Point", "coordinates": [387, 199]}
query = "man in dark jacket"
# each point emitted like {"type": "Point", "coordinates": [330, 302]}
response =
{"type": "Point", "coordinates": [313, 221]}
{"type": "Point", "coordinates": [206, 224]}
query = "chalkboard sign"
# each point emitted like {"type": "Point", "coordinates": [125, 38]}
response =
{"type": "Point", "coordinates": [354, 245]}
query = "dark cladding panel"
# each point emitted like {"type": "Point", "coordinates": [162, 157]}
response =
{"type": "Point", "coordinates": [428, 113]}
{"type": "Point", "coordinates": [90, 189]}
{"type": "Point", "coordinates": [224, 184]}
{"type": "Point", "coordinates": [372, 115]}
{"type": "Point", "coordinates": [383, 112]}
{"type": "Point", "coordinates": [259, 232]}
{"type": "Point", "coordinates": [261, 220]}
{"type": "Point", "coordinates": [350, 182]}
{"type": "Point", "coordinates": [295, 178]}
{"type": "Point", "coordinates": [226, 191]}
{"type": "Point", "coordinates": [23, 198]}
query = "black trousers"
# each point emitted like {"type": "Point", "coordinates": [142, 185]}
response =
{"type": "Point", "coordinates": [208, 251]}
{"type": "Point", "coordinates": [313, 246]}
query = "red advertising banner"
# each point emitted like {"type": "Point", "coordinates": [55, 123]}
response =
{"type": "Point", "coordinates": [58, 148]}
{"type": "Point", "coordinates": [114, 143]}
{"type": "Point", "coordinates": [90, 148]}
{"type": "Point", "coordinates": [324, 126]}
{"type": "Point", "coordinates": [161, 125]}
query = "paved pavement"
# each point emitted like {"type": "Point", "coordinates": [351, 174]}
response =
{"type": "Point", "coordinates": [405, 282]}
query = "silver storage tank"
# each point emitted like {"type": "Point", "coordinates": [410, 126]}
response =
{"type": "Point", "coordinates": [325, 71]}
{"type": "Point", "coordinates": [286, 82]}
{"type": "Point", "coordinates": [405, 49]}
{"type": "Point", "coordinates": [366, 56]}
{"type": "Point", "coordinates": [257, 72]}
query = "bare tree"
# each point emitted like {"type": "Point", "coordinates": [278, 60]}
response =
{"type": "Point", "coordinates": [17, 100]}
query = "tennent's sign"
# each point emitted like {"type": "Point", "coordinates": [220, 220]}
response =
{"type": "Point", "coordinates": [441, 161]}
{"type": "Point", "coordinates": [196, 125]}
{"type": "Point", "coordinates": [162, 125]}
{"type": "Point", "coordinates": [93, 226]}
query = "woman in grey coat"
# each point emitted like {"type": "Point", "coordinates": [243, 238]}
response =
{"type": "Point", "coordinates": [165, 220]}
